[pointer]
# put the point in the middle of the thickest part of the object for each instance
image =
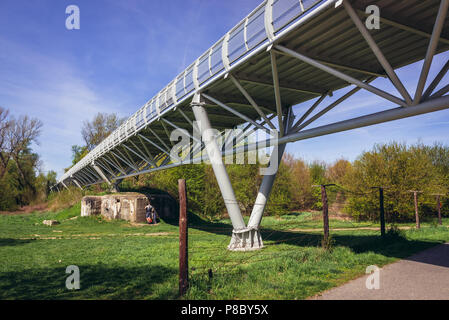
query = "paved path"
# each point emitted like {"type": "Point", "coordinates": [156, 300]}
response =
{"type": "Point", "coordinates": [422, 276]}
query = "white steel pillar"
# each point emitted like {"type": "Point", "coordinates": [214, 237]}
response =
{"type": "Point", "coordinates": [252, 236]}
{"type": "Point", "coordinates": [214, 153]}
{"type": "Point", "coordinates": [265, 189]}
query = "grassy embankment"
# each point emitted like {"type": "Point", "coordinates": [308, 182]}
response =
{"type": "Point", "coordinates": [118, 260]}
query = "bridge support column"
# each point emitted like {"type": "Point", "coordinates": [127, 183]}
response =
{"type": "Point", "coordinates": [214, 154]}
{"type": "Point", "coordinates": [251, 237]}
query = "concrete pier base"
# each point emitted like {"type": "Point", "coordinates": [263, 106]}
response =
{"type": "Point", "coordinates": [246, 240]}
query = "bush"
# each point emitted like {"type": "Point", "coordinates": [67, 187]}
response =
{"type": "Point", "coordinates": [394, 233]}
{"type": "Point", "coordinates": [400, 169]}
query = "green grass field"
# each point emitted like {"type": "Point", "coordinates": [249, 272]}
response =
{"type": "Point", "coordinates": [118, 260]}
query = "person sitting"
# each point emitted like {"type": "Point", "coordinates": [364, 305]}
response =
{"type": "Point", "coordinates": [150, 214]}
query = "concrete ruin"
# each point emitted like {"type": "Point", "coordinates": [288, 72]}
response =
{"type": "Point", "coordinates": [129, 206]}
{"type": "Point", "coordinates": [126, 206]}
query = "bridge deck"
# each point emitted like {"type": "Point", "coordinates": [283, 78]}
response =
{"type": "Point", "coordinates": [322, 32]}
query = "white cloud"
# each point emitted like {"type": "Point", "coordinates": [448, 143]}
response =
{"type": "Point", "coordinates": [53, 91]}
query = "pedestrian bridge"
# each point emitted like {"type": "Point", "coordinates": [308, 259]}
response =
{"type": "Point", "coordinates": [284, 53]}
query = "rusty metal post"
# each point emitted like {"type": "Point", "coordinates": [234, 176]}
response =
{"type": "Point", "coordinates": [415, 195]}
{"type": "Point", "coordinates": [440, 222]}
{"type": "Point", "coordinates": [382, 211]}
{"type": "Point", "coordinates": [325, 215]}
{"type": "Point", "coordinates": [183, 248]}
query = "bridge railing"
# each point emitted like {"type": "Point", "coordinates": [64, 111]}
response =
{"type": "Point", "coordinates": [263, 24]}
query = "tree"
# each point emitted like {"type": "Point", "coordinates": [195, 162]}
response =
{"type": "Point", "coordinates": [399, 169]}
{"type": "Point", "coordinates": [318, 176]}
{"type": "Point", "coordinates": [78, 152]}
{"type": "Point", "coordinates": [337, 172]}
{"type": "Point", "coordinates": [18, 164]}
{"type": "Point", "coordinates": [5, 149]}
{"type": "Point", "coordinates": [16, 135]}
{"type": "Point", "coordinates": [23, 132]}
{"type": "Point", "coordinates": [300, 183]}
{"type": "Point", "coordinates": [101, 126]}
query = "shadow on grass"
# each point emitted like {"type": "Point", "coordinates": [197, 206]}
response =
{"type": "Point", "coordinates": [96, 282]}
{"type": "Point", "coordinates": [4, 242]}
{"type": "Point", "coordinates": [390, 246]}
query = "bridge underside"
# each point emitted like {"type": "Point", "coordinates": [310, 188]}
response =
{"type": "Point", "coordinates": [315, 52]}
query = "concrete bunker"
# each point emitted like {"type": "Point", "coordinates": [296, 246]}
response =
{"type": "Point", "coordinates": [129, 206]}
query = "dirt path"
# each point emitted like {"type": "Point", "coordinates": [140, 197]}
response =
{"type": "Point", "coordinates": [26, 209]}
{"type": "Point", "coordinates": [423, 276]}
{"type": "Point", "coordinates": [60, 236]}
{"type": "Point", "coordinates": [344, 229]}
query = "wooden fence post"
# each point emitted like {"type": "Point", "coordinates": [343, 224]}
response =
{"type": "Point", "coordinates": [183, 240]}
{"type": "Point", "coordinates": [415, 196]}
{"type": "Point", "coordinates": [325, 215]}
{"type": "Point", "coordinates": [438, 198]}
{"type": "Point", "coordinates": [382, 211]}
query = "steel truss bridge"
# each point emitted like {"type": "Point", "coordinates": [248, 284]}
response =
{"type": "Point", "coordinates": [284, 53]}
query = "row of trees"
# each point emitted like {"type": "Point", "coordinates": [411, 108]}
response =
{"type": "Point", "coordinates": [21, 180]}
{"type": "Point", "coordinates": [396, 167]}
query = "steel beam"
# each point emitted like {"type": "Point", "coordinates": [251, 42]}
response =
{"type": "Point", "coordinates": [159, 138]}
{"type": "Point", "coordinates": [122, 159]}
{"type": "Point", "coordinates": [76, 183]}
{"type": "Point", "coordinates": [436, 81]}
{"type": "Point", "coordinates": [277, 92]}
{"type": "Point", "coordinates": [405, 26]}
{"type": "Point", "coordinates": [441, 92]}
{"type": "Point", "coordinates": [340, 65]}
{"type": "Point", "coordinates": [290, 86]}
{"type": "Point", "coordinates": [377, 52]}
{"type": "Point", "coordinates": [154, 144]}
{"type": "Point", "coordinates": [176, 127]}
{"type": "Point", "coordinates": [145, 155]}
{"type": "Point", "coordinates": [112, 163]}
{"type": "Point", "coordinates": [100, 173]}
{"type": "Point", "coordinates": [436, 33]}
{"type": "Point", "coordinates": [139, 155]}
{"type": "Point", "coordinates": [342, 76]}
{"type": "Point", "coordinates": [330, 107]}
{"type": "Point", "coordinates": [235, 112]}
{"type": "Point", "coordinates": [309, 111]}
{"type": "Point", "coordinates": [251, 101]}
{"type": "Point", "coordinates": [106, 168]}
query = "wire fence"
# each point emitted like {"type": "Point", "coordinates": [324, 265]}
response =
{"type": "Point", "coordinates": [214, 258]}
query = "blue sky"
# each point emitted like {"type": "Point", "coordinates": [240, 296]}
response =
{"type": "Point", "coordinates": [126, 51]}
